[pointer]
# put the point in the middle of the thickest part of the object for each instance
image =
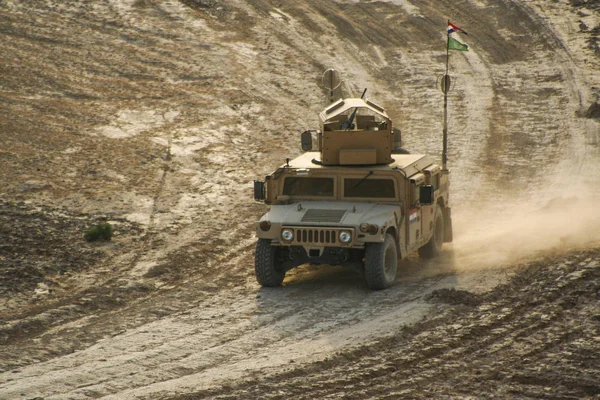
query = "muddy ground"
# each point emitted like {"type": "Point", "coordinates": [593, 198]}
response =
{"type": "Point", "coordinates": [157, 115]}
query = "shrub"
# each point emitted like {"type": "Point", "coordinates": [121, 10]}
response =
{"type": "Point", "coordinates": [98, 232]}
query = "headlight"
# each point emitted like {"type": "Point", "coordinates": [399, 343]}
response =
{"type": "Point", "coordinates": [345, 237]}
{"type": "Point", "coordinates": [264, 225]}
{"type": "Point", "coordinates": [287, 235]}
{"type": "Point", "coordinates": [369, 228]}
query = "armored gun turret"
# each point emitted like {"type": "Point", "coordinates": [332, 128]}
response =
{"type": "Point", "coordinates": [355, 132]}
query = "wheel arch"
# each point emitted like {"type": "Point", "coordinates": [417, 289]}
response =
{"type": "Point", "coordinates": [447, 215]}
{"type": "Point", "coordinates": [391, 230]}
{"type": "Point", "coordinates": [441, 202]}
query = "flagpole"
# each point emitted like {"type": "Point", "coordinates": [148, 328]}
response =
{"type": "Point", "coordinates": [447, 48]}
{"type": "Point", "coordinates": [445, 87]}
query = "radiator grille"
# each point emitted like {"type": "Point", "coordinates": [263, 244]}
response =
{"type": "Point", "coordinates": [329, 216]}
{"type": "Point", "coordinates": [315, 236]}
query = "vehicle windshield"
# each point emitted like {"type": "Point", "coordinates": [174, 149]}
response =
{"type": "Point", "coordinates": [369, 188]}
{"type": "Point", "coordinates": [308, 186]}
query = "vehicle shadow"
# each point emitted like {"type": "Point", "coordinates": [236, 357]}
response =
{"type": "Point", "coordinates": [325, 308]}
{"type": "Point", "coordinates": [415, 279]}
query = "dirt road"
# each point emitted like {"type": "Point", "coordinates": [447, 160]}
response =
{"type": "Point", "coordinates": [157, 116]}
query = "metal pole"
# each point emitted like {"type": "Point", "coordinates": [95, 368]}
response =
{"type": "Point", "coordinates": [331, 88]}
{"type": "Point", "coordinates": [445, 88]}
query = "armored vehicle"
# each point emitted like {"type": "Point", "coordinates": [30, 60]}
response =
{"type": "Point", "coordinates": [359, 200]}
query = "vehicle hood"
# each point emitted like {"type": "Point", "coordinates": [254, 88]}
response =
{"type": "Point", "coordinates": [321, 213]}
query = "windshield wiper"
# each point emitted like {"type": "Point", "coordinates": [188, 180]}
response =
{"type": "Point", "coordinates": [291, 181]}
{"type": "Point", "coordinates": [363, 179]}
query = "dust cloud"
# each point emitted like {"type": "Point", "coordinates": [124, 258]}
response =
{"type": "Point", "coordinates": [516, 231]}
{"type": "Point", "coordinates": [546, 213]}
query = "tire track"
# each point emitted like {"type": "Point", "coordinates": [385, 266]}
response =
{"type": "Point", "coordinates": [509, 344]}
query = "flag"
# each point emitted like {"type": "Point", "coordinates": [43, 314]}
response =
{"type": "Point", "coordinates": [454, 44]}
{"type": "Point", "coordinates": [453, 28]}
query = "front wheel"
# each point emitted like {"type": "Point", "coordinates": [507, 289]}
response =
{"type": "Point", "coordinates": [434, 246]}
{"type": "Point", "coordinates": [381, 263]}
{"type": "Point", "coordinates": [266, 265]}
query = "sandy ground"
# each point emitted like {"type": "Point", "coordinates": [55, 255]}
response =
{"type": "Point", "coordinates": [157, 115]}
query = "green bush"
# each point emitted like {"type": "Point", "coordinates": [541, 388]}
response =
{"type": "Point", "coordinates": [101, 231]}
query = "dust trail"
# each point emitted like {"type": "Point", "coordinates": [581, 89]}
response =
{"type": "Point", "coordinates": [499, 236]}
{"type": "Point", "coordinates": [554, 212]}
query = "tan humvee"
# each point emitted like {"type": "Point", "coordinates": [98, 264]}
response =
{"type": "Point", "coordinates": [360, 201]}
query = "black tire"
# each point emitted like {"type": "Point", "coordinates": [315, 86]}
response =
{"type": "Point", "coordinates": [268, 272]}
{"type": "Point", "coordinates": [381, 263]}
{"type": "Point", "coordinates": [434, 246]}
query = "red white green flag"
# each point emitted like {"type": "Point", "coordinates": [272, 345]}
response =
{"type": "Point", "coordinates": [454, 44]}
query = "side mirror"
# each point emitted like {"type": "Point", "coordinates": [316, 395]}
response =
{"type": "Point", "coordinates": [259, 190]}
{"type": "Point", "coordinates": [306, 140]}
{"type": "Point", "coordinates": [426, 196]}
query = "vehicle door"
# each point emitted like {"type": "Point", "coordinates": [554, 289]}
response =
{"type": "Point", "coordinates": [432, 178]}
{"type": "Point", "coordinates": [415, 211]}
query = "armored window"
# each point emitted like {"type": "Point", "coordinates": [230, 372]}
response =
{"type": "Point", "coordinates": [298, 186]}
{"type": "Point", "coordinates": [414, 194]}
{"type": "Point", "coordinates": [369, 188]}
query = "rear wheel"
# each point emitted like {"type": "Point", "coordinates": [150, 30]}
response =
{"type": "Point", "coordinates": [266, 265]}
{"type": "Point", "coordinates": [381, 263]}
{"type": "Point", "coordinates": [434, 246]}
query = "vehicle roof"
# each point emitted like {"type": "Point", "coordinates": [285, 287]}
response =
{"type": "Point", "coordinates": [410, 164]}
